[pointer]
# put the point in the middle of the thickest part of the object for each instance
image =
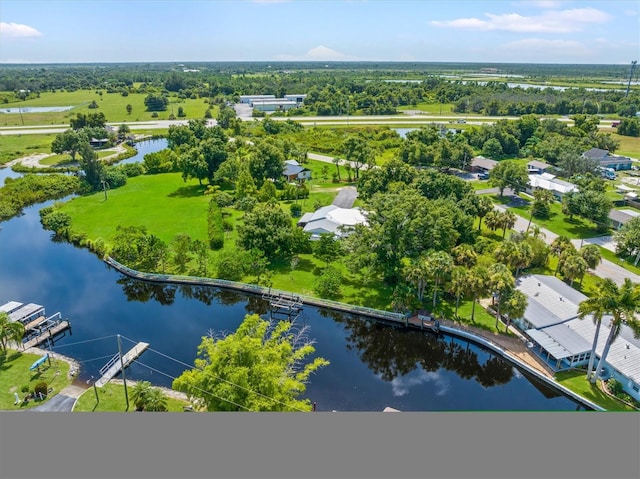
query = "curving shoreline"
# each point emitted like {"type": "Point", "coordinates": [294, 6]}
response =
{"type": "Point", "coordinates": [510, 349]}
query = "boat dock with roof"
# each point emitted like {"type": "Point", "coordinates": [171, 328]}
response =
{"type": "Point", "coordinates": [38, 327]}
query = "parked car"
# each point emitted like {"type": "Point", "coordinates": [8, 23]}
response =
{"type": "Point", "coordinates": [483, 176]}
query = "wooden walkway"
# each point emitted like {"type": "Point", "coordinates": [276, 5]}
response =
{"type": "Point", "coordinates": [114, 366]}
{"type": "Point", "coordinates": [49, 333]}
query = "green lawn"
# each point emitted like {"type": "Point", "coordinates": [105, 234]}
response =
{"type": "Point", "coordinates": [112, 399]}
{"type": "Point", "coordinates": [17, 146]}
{"type": "Point", "coordinates": [15, 373]}
{"type": "Point", "coordinates": [629, 145]}
{"type": "Point", "coordinates": [113, 105]}
{"type": "Point", "coordinates": [164, 203]}
{"type": "Point", "coordinates": [560, 224]}
{"type": "Point", "coordinates": [577, 382]}
{"type": "Point", "coordinates": [431, 108]}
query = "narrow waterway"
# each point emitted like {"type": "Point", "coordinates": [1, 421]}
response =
{"type": "Point", "coordinates": [372, 365]}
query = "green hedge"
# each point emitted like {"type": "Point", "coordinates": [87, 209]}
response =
{"type": "Point", "coordinates": [215, 225]}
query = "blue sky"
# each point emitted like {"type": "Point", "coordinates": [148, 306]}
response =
{"type": "Point", "coordinates": [521, 31]}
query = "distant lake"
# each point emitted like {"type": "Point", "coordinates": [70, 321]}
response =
{"type": "Point", "coordinates": [35, 109]}
{"type": "Point", "coordinates": [403, 131]}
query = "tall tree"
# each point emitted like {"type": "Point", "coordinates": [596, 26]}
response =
{"type": "Point", "coordinates": [514, 305]}
{"type": "Point", "coordinates": [478, 282]}
{"type": "Point", "coordinates": [438, 265]}
{"type": "Point", "coordinates": [260, 367]}
{"type": "Point", "coordinates": [10, 331]}
{"type": "Point", "coordinates": [501, 284]}
{"type": "Point", "coordinates": [483, 207]}
{"type": "Point", "coordinates": [600, 303]}
{"type": "Point", "coordinates": [562, 248]}
{"type": "Point", "coordinates": [358, 152]}
{"type": "Point", "coordinates": [507, 174]}
{"type": "Point", "coordinates": [459, 284]}
{"type": "Point", "coordinates": [626, 302]}
{"type": "Point", "coordinates": [574, 267]}
{"type": "Point", "coordinates": [627, 239]}
{"type": "Point", "coordinates": [70, 141]}
{"type": "Point", "coordinates": [591, 254]}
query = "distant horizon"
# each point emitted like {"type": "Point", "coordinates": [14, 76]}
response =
{"type": "Point", "coordinates": [554, 32]}
{"type": "Point", "coordinates": [320, 62]}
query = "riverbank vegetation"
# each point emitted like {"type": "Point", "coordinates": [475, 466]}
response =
{"type": "Point", "coordinates": [111, 398]}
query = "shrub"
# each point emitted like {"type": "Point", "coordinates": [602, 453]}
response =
{"type": "Point", "coordinates": [115, 177]}
{"type": "Point", "coordinates": [40, 388]}
{"type": "Point", "coordinates": [224, 199]}
{"type": "Point", "coordinates": [215, 226]}
{"type": "Point", "coordinates": [246, 204]}
{"type": "Point", "coordinates": [25, 388]}
{"type": "Point", "coordinates": [132, 169]}
{"type": "Point", "coordinates": [296, 209]}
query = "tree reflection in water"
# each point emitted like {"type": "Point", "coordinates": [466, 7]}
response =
{"type": "Point", "coordinates": [395, 351]}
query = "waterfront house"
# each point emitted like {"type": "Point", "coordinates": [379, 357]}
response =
{"type": "Point", "coordinates": [332, 220]}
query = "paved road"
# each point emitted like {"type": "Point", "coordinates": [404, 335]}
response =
{"type": "Point", "coordinates": [63, 401]}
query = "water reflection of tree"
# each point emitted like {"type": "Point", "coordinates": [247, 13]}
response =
{"type": "Point", "coordinates": [392, 352]}
{"type": "Point", "coordinates": [142, 291]}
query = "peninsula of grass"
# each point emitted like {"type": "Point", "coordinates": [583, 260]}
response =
{"type": "Point", "coordinates": [112, 399]}
{"type": "Point", "coordinates": [17, 146]}
{"type": "Point", "coordinates": [15, 375]}
{"type": "Point", "coordinates": [577, 382]}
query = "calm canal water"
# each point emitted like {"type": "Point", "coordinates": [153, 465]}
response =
{"type": "Point", "coordinates": [372, 365]}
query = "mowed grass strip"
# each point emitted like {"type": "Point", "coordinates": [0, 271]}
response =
{"type": "Point", "coordinates": [164, 203]}
{"type": "Point", "coordinates": [577, 382]}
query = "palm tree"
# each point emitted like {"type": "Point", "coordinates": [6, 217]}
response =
{"type": "Point", "coordinates": [336, 161]}
{"type": "Point", "coordinates": [417, 274]}
{"type": "Point", "coordinates": [599, 304]}
{"type": "Point", "coordinates": [626, 302]}
{"type": "Point", "coordinates": [484, 206]}
{"type": "Point", "coordinates": [574, 267]}
{"type": "Point", "coordinates": [559, 248]}
{"type": "Point", "coordinates": [501, 282]}
{"type": "Point", "coordinates": [514, 306]}
{"type": "Point", "coordinates": [459, 284]}
{"type": "Point", "coordinates": [139, 394]}
{"type": "Point", "coordinates": [507, 221]}
{"type": "Point", "coordinates": [478, 284]}
{"type": "Point", "coordinates": [591, 254]}
{"type": "Point", "coordinates": [438, 264]}
{"type": "Point", "coordinates": [155, 400]}
{"type": "Point", "coordinates": [492, 220]}
{"type": "Point", "coordinates": [9, 331]}
{"type": "Point", "coordinates": [464, 255]}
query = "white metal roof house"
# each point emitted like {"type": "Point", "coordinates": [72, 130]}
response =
{"type": "Point", "coordinates": [332, 220]}
{"type": "Point", "coordinates": [621, 217]}
{"type": "Point", "coordinates": [547, 181]}
{"type": "Point", "coordinates": [564, 341]}
{"type": "Point", "coordinates": [247, 98]}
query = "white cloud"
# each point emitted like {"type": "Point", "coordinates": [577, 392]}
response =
{"type": "Point", "coordinates": [532, 49]}
{"type": "Point", "coordinates": [562, 21]}
{"type": "Point", "coordinates": [401, 385]}
{"type": "Point", "coordinates": [17, 30]}
{"type": "Point", "coordinates": [319, 53]}
{"type": "Point", "coordinates": [631, 13]}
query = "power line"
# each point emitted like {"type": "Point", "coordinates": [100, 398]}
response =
{"type": "Point", "coordinates": [82, 342]}
{"type": "Point", "coordinates": [219, 378]}
{"type": "Point", "coordinates": [95, 359]}
{"type": "Point", "coordinates": [195, 387]}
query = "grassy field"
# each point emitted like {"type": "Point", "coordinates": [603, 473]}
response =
{"type": "Point", "coordinates": [629, 145]}
{"type": "Point", "coordinates": [577, 382]}
{"type": "Point", "coordinates": [16, 146]}
{"type": "Point", "coordinates": [431, 108]}
{"type": "Point", "coordinates": [15, 373]}
{"type": "Point", "coordinates": [113, 105]}
{"type": "Point", "coordinates": [112, 399]}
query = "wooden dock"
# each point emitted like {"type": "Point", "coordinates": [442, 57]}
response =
{"type": "Point", "coordinates": [47, 334]}
{"type": "Point", "coordinates": [423, 321]}
{"type": "Point", "coordinates": [114, 366]}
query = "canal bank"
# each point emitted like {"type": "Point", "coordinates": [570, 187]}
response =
{"type": "Point", "coordinates": [511, 349]}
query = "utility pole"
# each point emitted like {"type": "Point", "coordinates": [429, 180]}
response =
{"type": "Point", "coordinates": [633, 66]}
{"type": "Point", "coordinates": [124, 379]}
